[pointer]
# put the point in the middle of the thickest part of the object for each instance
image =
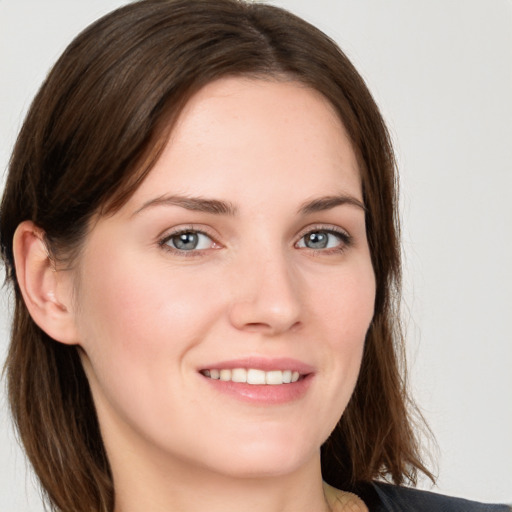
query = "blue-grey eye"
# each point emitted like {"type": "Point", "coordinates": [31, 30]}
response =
{"type": "Point", "coordinates": [321, 239]}
{"type": "Point", "coordinates": [189, 241]}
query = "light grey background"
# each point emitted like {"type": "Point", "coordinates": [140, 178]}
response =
{"type": "Point", "coordinates": [442, 73]}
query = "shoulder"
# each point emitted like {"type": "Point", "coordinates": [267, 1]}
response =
{"type": "Point", "coordinates": [391, 498]}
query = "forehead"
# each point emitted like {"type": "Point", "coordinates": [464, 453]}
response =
{"type": "Point", "coordinates": [242, 136]}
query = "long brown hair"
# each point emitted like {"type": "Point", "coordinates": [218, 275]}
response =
{"type": "Point", "coordinates": [92, 134]}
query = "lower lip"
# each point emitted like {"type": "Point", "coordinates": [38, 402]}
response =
{"type": "Point", "coordinates": [262, 394]}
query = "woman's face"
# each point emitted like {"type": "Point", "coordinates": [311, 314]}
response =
{"type": "Point", "coordinates": [244, 249]}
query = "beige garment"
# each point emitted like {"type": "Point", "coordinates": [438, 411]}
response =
{"type": "Point", "coordinates": [342, 501]}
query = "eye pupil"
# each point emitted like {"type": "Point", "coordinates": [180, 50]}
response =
{"type": "Point", "coordinates": [317, 240]}
{"type": "Point", "coordinates": [185, 241]}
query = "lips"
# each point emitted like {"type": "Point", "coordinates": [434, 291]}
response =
{"type": "Point", "coordinates": [260, 380]}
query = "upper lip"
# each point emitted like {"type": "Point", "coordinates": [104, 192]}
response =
{"type": "Point", "coordinates": [262, 363]}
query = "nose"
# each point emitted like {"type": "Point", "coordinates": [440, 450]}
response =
{"type": "Point", "coordinates": [266, 296]}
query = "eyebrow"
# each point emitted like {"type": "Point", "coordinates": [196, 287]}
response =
{"type": "Point", "coordinates": [218, 207]}
{"type": "Point", "coordinates": [329, 202]}
{"type": "Point", "coordinates": [197, 204]}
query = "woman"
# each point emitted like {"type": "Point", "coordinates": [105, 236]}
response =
{"type": "Point", "coordinates": [199, 224]}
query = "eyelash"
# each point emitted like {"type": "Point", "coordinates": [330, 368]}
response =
{"type": "Point", "coordinates": [344, 238]}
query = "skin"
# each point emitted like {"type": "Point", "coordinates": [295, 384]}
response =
{"type": "Point", "coordinates": [148, 316]}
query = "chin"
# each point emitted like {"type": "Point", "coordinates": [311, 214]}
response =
{"type": "Point", "coordinates": [255, 467]}
{"type": "Point", "coordinates": [265, 456]}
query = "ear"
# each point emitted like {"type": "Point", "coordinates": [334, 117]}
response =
{"type": "Point", "coordinates": [47, 292]}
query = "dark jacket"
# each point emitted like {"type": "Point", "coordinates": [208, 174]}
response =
{"type": "Point", "coordinates": [381, 497]}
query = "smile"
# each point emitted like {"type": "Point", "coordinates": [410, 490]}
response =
{"type": "Point", "coordinates": [253, 376]}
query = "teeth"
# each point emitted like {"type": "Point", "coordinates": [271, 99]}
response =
{"type": "Point", "coordinates": [274, 377]}
{"type": "Point", "coordinates": [256, 377]}
{"type": "Point", "coordinates": [225, 375]}
{"type": "Point", "coordinates": [253, 376]}
{"type": "Point", "coordinates": [239, 375]}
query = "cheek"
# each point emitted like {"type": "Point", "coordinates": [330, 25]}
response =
{"type": "Point", "coordinates": [344, 314]}
{"type": "Point", "coordinates": [346, 305]}
{"type": "Point", "coordinates": [138, 326]}
{"type": "Point", "coordinates": [137, 333]}
{"type": "Point", "coordinates": [141, 309]}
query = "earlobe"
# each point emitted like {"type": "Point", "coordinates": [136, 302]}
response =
{"type": "Point", "coordinates": [45, 289]}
